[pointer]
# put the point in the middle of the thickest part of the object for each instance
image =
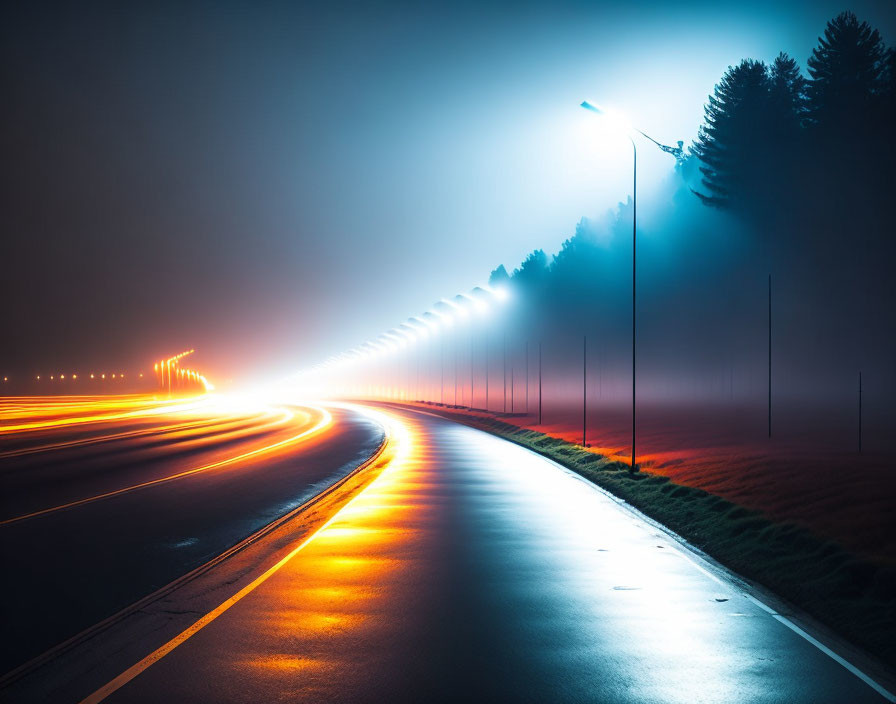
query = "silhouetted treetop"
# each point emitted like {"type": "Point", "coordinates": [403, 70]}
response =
{"type": "Point", "coordinates": [733, 131]}
{"type": "Point", "coordinates": [498, 276]}
{"type": "Point", "coordinates": [787, 94]}
{"type": "Point", "coordinates": [847, 69]}
{"type": "Point", "coordinates": [534, 269]}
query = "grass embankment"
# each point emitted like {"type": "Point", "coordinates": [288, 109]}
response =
{"type": "Point", "coordinates": [853, 596]}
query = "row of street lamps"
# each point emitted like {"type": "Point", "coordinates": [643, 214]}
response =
{"type": "Point", "coordinates": [412, 334]}
{"type": "Point", "coordinates": [448, 311]}
{"type": "Point", "coordinates": [623, 127]}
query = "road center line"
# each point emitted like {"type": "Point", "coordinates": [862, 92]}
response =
{"type": "Point", "coordinates": [133, 671]}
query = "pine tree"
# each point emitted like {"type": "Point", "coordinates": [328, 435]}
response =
{"type": "Point", "coordinates": [846, 68]}
{"type": "Point", "coordinates": [533, 270]}
{"type": "Point", "coordinates": [787, 96]}
{"type": "Point", "coordinates": [499, 276]}
{"type": "Point", "coordinates": [849, 145]}
{"type": "Point", "coordinates": [733, 134]}
{"type": "Point", "coordinates": [783, 147]}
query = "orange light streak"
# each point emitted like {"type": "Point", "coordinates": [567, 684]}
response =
{"type": "Point", "coordinates": [325, 419]}
{"type": "Point", "coordinates": [87, 410]}
{"type": "Point", "coordinates": [338, 559]}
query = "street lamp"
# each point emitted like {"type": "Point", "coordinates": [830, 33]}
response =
{"type": "Point", "coordinates": [480, 306]}
{"type": "Point", "coordinates": [413, 336]}
{"type": "Point", "coordinates": [447, 311]}
{"type": "Point", "coordinates": [423, 330]}
{"type": "Point", "coordinates": [463, 303]}
{"type": "Point", "coordinates": [678, 153]}
{"type": "Point", "coordinates": [435, 324]}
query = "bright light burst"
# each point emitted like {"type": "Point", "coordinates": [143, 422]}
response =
{"type": "Point", "coordinates": [323, 378]}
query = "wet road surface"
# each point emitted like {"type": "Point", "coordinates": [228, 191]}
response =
{"type": "Point", "coordinates": [106, 499]}
{"type": "Point", "coordinates": [474, 570]}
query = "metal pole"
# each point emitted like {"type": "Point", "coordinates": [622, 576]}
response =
{"type": "Point", "coordinates": [511, 391]}
{"type": "Point", "coordinates": [442, 372]}
{"type": "Point", "coordinates": [455, 372]}
{"type": "Point", "coordinates": [486, 371]}
{"type": "Point", "coordinates": [769, 355]}
{"type": "Point", "coordinates": [634, 292]}
{"type": "Point", "coordinates": [539, 382]}
{"type": "Point", "coordinates": [527, 378]}
{"type": "Point", "coordinates": [504, 367]}
{"type": "Point", "coordinates": [471, 368]}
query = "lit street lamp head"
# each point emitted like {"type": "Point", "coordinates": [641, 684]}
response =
{"type": "Point", "coordinates": [618, 123]}
{"type": "Point", "coordinates": [611, 118]}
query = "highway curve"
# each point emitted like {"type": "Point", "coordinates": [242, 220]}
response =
{"type": "Point", "coordinates": [106, 499]}
{"type": "Point", "coordinates": [472, 569]}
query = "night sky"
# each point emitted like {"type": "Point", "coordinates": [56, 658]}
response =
{"type": "Point", "coordinates": [272, 183]}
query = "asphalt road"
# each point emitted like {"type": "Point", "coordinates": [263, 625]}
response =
{"type": "Point", "coordinates": [474, 570]}
{"type": "Point", "coordinates": [105, 500]}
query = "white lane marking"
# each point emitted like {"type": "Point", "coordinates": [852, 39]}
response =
{"type": "Point", "coordinates": [680, 544]}
{"type": "Point", "coordinates": [391, 429]}
{"type": "Point", "coordinates": [886, 694]}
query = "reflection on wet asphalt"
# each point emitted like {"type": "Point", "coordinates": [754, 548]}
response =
{"type": "Point", "coordinates": [475, 570]}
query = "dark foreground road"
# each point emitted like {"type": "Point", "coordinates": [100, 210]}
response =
{"type": "Point", "coordinates": [96, 515]}
{"type": "Point", "coordinates": [474, 570]}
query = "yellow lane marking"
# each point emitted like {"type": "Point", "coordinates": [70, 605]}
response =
{"type": "Point", "coordinates": [132, 672]}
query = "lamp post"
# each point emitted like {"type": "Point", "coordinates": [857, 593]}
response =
{"type": "Point", "coordinates": [472, 371]}
{"type": "Point", "coordinates": [678, 153]}
{"type": "Point", "coordinates": [511, 390]}
{"type": "Point", "coordinates": [504, 367]}
{"type": "Point", "coordinates": [539, 382]}
{"type": "Point", "coordinates": [434, 322]}
{"type": "Point", "coordinates": [486, 369]}
{"type": "Point", "coordinates": [421, 331]}
{"type": "Point", "coordinates": [455, 372]}
{"type": "Point", "coordinates": [527, 378]}
{"type": "Point", "coordinates": [585, 391]}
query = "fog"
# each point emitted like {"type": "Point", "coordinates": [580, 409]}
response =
{"type": "Point", "coordinates": [271, 184]}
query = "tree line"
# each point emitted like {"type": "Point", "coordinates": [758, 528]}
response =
{"type": "Point", "coordinates": [803, 155]}
{"type": "Point", "coordinates": [790, 174]}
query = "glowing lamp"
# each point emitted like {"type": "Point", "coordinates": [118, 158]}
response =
{"type": "Point", "coordinates": [612, 119]}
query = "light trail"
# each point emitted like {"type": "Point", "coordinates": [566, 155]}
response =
{"type": "Point", "coordinates": [575, 571]}
{"type": "Point", "coordinates": [395, 456]}
{"type": "Point", "coordinates": [210, 404]}
{"type": "Point", "coordinates": [113, 437]}
{"type": "Point", "coordinates": [52, 415]}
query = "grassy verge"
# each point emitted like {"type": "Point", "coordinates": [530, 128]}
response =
{"type": "Point", "coordinates": [853, 596]}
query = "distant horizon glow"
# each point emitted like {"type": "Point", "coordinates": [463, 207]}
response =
{"type": "Point", "coordinates": [237, 207]}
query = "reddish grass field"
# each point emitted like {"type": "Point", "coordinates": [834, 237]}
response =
{"type": "Point", "coordinates": [809, 473]}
